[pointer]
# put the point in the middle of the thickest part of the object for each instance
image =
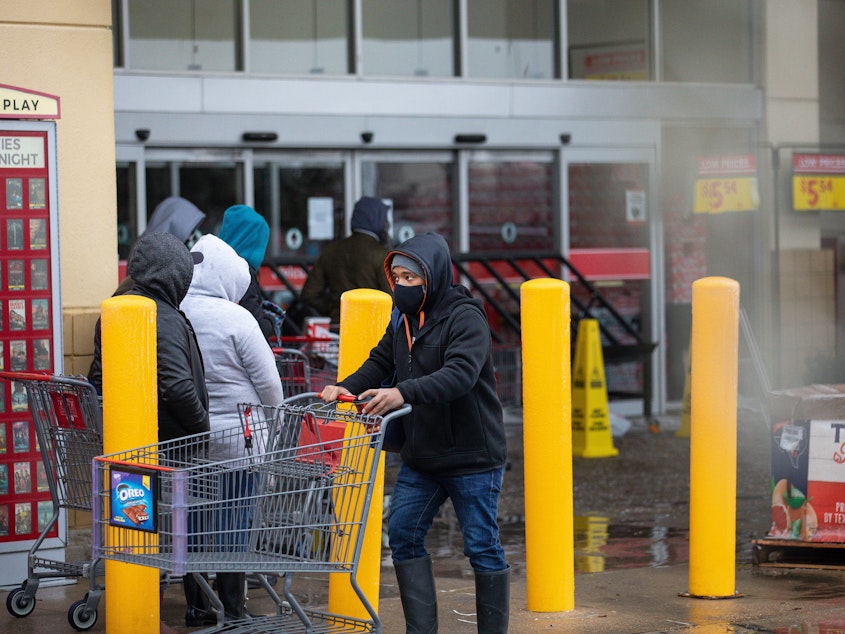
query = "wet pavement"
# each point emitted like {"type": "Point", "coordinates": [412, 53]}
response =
{"type": "Point", "coordinates": [631, 554]}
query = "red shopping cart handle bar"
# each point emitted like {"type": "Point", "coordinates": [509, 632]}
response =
{"type": "Point", "coordinates": [26, 376]}
{"type": "Point", "coordinates": [351, 398]}
{"type": "Point", "coordinates": [307, 339]}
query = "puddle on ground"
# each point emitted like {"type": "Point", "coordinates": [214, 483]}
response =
{"type": "Point", "coordinates": [599, 544]}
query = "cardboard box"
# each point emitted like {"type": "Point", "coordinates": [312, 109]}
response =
{"type": "Point", "coordinates": [808, 463]}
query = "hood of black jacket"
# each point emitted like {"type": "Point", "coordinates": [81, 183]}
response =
{"type": "Point", "coordinates": [162, 265]}
{"type": "Point", "coordinates": [432, 252]}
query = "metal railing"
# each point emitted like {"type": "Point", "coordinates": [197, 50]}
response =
{"type": "Point", "coordinates": [502, 273]}
{"type": "Point", "coordinates": [496, 278]}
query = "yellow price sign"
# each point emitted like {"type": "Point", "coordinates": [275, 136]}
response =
{"type": "Point", "coordinates": [719, 195]}
{"type": "Point", "coordinates": [813, 192]}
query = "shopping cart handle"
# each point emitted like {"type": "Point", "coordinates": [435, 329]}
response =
{"type": "Point", "coordinates": [26, 376]}
{"type": "Point", "coordinates": [351, 398]}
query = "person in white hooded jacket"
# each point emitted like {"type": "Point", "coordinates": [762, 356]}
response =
{"type": "Point", "coordinates": [239, 365]}
{"type": "Point", "coordinates": [239, 368]}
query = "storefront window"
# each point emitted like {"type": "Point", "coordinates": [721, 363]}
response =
{"type": "Point", "coordinates": [420, 193]}
{"type": "Point", "coordinates": [511, 38]}
{"type": "Point", "coordinates": [198, 35]}
{"type": "Point", "coordinates": [116, 33]}
{"type": "Point", "coordinates": [609, 39]}
{"type": "Point", "coordinates": [299, 36]}
{"type": "Point", "coordinates": [511, 206]}
{"type": "Point", "coordinates": [127, 214]}
{"type": "Point", "coordinates": [213, 187]}
{"type": "Point", "coordinates": [408, 38]}
{"type": "Point", "coordinates": [707, 41]}
{"type": "Point", "coordinates": [304, 205]}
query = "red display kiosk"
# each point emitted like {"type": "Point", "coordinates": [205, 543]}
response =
{"type": "Point", "coordinates": [30, 318]}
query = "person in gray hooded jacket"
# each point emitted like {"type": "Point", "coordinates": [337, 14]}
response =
{"type": "Point", "coordinates": [174, 215]}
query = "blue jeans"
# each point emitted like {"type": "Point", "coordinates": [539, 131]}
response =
{"type": "Point", "coordinates": [417, 497]}
{"type": "Point", "coordinates": [222, 524]}
{"type": "Point", "coordinates": [233, 519]}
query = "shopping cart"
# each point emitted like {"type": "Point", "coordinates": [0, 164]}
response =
{"type": "Point", "coordinates": [300, 495]}
{"type": "Point", "coordinates": [294, 370]}
{"type": "Point", "coordinates": [69, 428]}
{"type": "Point", "coordinates": [321, 357]}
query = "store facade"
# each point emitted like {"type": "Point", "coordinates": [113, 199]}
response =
{"type": "Point", "coordinates": [504, 125]}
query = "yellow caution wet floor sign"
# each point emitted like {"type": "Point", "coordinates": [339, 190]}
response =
{"type": "Point", "coordinates": [591, 433]}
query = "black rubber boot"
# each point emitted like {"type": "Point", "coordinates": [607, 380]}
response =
{"type": "Point", "coordinates": [230, 589]}
{"type": "Point", "coordinates": [492, 595]}
{"type": "Point", "coordinates": [198, 612]}
{"type": "Point", "coordinates": [419, 598]}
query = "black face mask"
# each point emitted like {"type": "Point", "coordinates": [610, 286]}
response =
{"type": "Point", "coordinates": [408, 299]}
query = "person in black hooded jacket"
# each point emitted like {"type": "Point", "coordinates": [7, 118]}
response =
{"type": "Point", "coordinates": [455, 445]}
{"type": "Point", "coordinates": [162, 268]}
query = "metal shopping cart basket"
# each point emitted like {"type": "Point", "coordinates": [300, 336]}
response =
{"type": "Point", "coordinates": [301, 497]}
{"type": "Point", "coordinates": [69, 427]}
{"type": "Point", "coordinates": [321, 355]}
{"type": "Point", "coordinates": [294, 370]}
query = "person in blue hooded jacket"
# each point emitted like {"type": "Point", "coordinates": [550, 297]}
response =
{"type": "Point", "coordinates": [438, 347]}
{"type": "Point", "coordinates": [353, 262]}
{"type": "Point", "coordinates": [247, 232]}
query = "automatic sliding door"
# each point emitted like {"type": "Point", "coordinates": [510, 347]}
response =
{"type": "Point", "coordinates": [304, 202]}
{"type": "Point", "coordinates": [610, 243]}
{"type": "Point", "coordinates": [511, 202]}
{"type": "Point", "coordinates": [212, 181]}
{"type": "Point", "coordinates": [419, 187]}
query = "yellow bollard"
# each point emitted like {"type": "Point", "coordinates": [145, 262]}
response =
{"type": "Point", "coordinates": [683, 430]}
{"type": "Point", "coordinates": [364, 315]}
{"type": "Point", "coordinates": [547, 440]}
{"type": "Point", "coordinates": [714, 357]}
{"type": "Point", "coordinates": [130, 419]}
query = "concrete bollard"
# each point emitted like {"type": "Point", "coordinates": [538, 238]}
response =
{"type": "Point", "coordinates": [130, 419]}
{"type": "Point", "coordinates": [364, 315]}
{"type": "Point", "coordinates": [547, 432]}
{"type": "Point", "coordinates": [714, 357]}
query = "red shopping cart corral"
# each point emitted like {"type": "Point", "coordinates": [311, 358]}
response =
{"type": "Point", "coordinates": [68, 424]}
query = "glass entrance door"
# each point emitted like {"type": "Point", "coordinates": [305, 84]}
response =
{"type": "Point", "coordinates": [611, 237]}
{"type": "Point", "coordinates": [511, 201]}
{"type": "Point", "coordinates": [419, 189]}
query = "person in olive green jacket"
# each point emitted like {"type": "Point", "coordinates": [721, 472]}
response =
{"type": "Point", "coordinates": [353, 262]}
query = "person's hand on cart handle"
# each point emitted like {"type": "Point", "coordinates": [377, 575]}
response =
{"type": "Point", "coordinates": [381, 401]}
{"type": "Point", "coordinates": [331, 393]}
{"type": "Point", "coordinates": [375, 402]}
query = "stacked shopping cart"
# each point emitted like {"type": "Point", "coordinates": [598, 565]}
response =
{"type": "Point", "coordinates": [68, 423]}
{"type": "Point", "coordinates": [307, 363]}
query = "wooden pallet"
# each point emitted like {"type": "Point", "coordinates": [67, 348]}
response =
{"type": "Point", "coordinates": [787, 553]}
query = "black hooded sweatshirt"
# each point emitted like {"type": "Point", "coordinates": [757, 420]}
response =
{"type": "Point", "coordinates": [444, 368]}
{"type": "Point", "coordinates": [162, 268]}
